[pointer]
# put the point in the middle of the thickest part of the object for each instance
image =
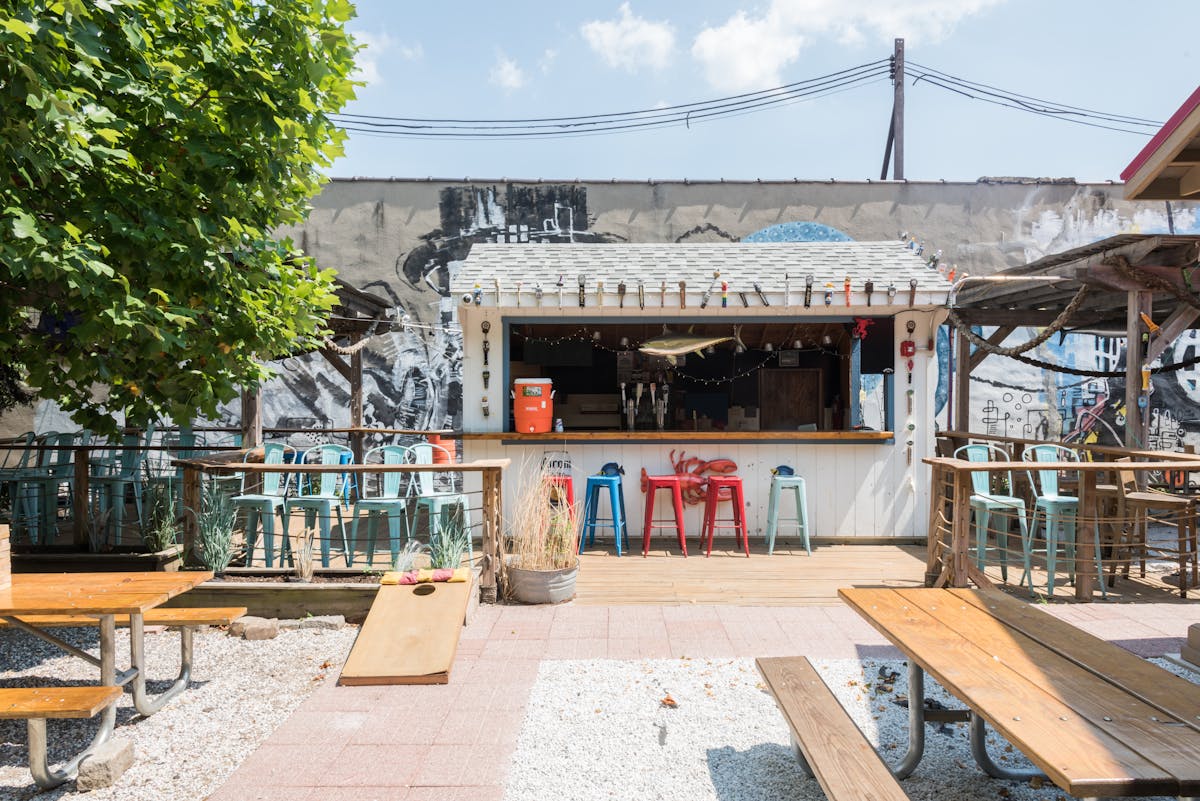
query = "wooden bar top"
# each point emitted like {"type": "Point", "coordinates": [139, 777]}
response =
{"type": "Point", "coordinates": [831, 437]}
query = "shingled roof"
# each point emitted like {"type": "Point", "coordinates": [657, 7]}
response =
{"type": "Point", "coordinates": [741, 264]}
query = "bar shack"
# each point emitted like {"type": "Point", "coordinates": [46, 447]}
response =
{"type": "Point", "coordinates": [690, 358]}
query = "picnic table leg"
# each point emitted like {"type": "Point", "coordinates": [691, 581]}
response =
{"type": "Point", "coordinates": [137, 647]}
{"type": "Point", "coordinates": [45, 776]}
{"type": "Point", "coordinates": [985, 761]}
{"type": "Point", "coordinates": [916, 722]}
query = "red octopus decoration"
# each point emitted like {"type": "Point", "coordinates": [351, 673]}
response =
{"type": "Point", "coordinates": [693, 484]}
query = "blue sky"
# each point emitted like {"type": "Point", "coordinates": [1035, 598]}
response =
{"type": "Point", "coordinates": [524, 59]}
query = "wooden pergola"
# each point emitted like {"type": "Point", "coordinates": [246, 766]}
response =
{"type": "Point", "coordinates": [1168, 167]}
{"type": "Point", "coordinates": [357, 316]}
{"type": "Point", "coordinates": [1135, 284]}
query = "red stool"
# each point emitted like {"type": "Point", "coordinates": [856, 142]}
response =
{"type": "Point", "coordinates": [721, 488]}
{"type": "Point", "coordinates": [672, 484]}
{"type": "Point", "coordinates": [566, 482]}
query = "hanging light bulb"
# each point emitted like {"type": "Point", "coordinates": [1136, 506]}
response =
{"type": "Point", "coordinates": [739, 348]}
{"type": "Point", "coordinates": [827, 340]}
{"type": "Point", "coordinates": [797, 344]}
{"type": "Point", "coordinates": [624, 342]}
{"type": "Point", "coordinates": [595, 336]}
{"type": "Point", "coordinates": [768, 347]}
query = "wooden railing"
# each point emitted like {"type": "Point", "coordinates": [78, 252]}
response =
{"type": "Point", "coordinates": [950, 563]}
{"type": "Point", "coordinates": [491, 470]}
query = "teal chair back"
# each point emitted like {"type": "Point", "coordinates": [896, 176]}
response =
{"type": "Point", "coordinates": [391, 484]}
{"type": "Point", "coordinates": [981, 482]}
{"type": "Point", "coordinates": [423, 453]}
{"type": "Point", "coordinates": [273, 453]}
{"type": "Point", "coordinates": [60, 454]}
{"type": "Point", "coordinates": [326, 454]}
{"type": "Point", "coordinates": [1047, 480]}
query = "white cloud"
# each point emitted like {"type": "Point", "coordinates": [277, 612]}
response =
{"type": "Point", "coordinates": [411, 52]}
{"type": "Point", "coordinates": [506, 74]}
{"type": "Point", "coordinates": [366, 60]}
{"type": "Point", "coordinates": [546, 62]}
{"type": "Point", "coordinates": [750, 52]}
{"type": "Point", "coordinates": [630, 42]}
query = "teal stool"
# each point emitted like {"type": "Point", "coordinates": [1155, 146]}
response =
{"type": "Point", "coordinates": [591, 503]}
{"type": "Point", "coordinates": [796, 485]}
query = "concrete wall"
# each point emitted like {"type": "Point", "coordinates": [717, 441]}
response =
{"type": "Point", "coordinates": [402, 238]}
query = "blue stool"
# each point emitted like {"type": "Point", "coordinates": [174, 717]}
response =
{"type": "Point", "coordinates": [796, 485]}
{"type": "Point", "coordinates": [591, 503]}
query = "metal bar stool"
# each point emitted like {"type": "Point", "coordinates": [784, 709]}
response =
{"type": "Point", "coordinates": [672, 484]}
{"type": "Point", "coordinates": [795, 485]}
{"type": "Point", "coordinates": [722, 488]}
{"type": "Point", "coordinates": [564, 484]}
{"type": "Point", "coordinates": [591, 503]}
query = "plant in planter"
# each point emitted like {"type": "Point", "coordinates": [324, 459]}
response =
{"type": "Point", "coordinates": [447, 548]}
{"type": "Point", "coordinates": [543, 559]}
{"type": "Point", "coordinates": [160, 528]}
{"type": "Point", "coordinates": [214, 528]}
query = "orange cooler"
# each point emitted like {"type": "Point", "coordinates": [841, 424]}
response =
{"type": "Point", "coordinates": [533, 405]}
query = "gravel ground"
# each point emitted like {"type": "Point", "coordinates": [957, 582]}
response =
{"type": "Point", "coordinates": [240, 692]}
{"type": "Point", "coordinates": [597, 729]}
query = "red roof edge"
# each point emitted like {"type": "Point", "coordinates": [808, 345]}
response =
{"type": "Point", "coordinates": [1154, 144]}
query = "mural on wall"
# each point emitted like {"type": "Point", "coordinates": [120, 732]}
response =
{"type": "Point", "coordinates": [413, 379]}
{"type": "Point", "coordinates": [404, 241]}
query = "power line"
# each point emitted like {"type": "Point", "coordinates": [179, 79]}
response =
{"type": "Point", "coordinates": [698, 105]}
{"type": "Point", "coordinates": [609, 125]}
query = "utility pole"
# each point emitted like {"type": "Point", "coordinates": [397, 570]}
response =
{"type": "Point", "coordinates": [895, 137]}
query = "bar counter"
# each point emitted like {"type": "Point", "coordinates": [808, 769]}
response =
{"type": "Point", "coordinates": [684, 437]}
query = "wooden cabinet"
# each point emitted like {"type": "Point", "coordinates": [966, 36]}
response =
{"type": "Point", "coordinates": [789, 399]}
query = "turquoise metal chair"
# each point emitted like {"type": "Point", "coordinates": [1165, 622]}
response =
{"type": "Point", "coordinates": [389, 502]}
{"type": "Point", "coordinates": [985, 502]}
{"type": "Point", "coordinates": [325, 502]}
{"type": "Point", "coordinates": [1059, 512]}
{"type": "Point", "coordinates": [795, 485]}
{"type": "Point", "coordinates": [39, 487]}
{"type": "Point", "coordinates": [113, 474]}
{"type": "Point", "coordinates": [15, 456]}
{"type": "Point", "coordinates": [436, 502]}
{"type": "Point", "coordinates": [261, 507]}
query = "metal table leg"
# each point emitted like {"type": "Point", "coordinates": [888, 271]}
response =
{"type": "Point", "coordinates": [985, 761]}
{"type": "Point", "coordinates": [916, 722]}
{"type": "Point", "coordinates": [45, 776]}
{"type": "Point", "coordinates": [145, 705]}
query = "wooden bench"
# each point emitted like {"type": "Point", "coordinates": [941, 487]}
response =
{"type": "Point", "coordinates": [159, 616]}
{"type": "Point", "coordinates": [35, 704]}
{"type": "Point", "coordinates": [828, 743]}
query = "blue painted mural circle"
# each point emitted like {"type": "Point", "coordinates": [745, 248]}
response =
{"type": "Point", "coordinates": [798, 232]}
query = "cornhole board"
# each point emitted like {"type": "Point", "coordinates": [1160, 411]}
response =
{"type": "Point", "coordinates": [410, 635]}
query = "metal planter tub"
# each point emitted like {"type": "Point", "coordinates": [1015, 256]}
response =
{"type": "Point", "coordinates": [540, 586]}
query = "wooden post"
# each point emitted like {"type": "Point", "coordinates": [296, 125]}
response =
{"type": "Point", "coordinates": [492, 538]}
{"type": "Point", "coordinates": [960, 537]}
{"type": "Point", "coordinates": [356, 402]}
{"type": "Point", "coordinates": [5, 558]}
{"type": "Point", "coordinates": [1135, 434]}
{"type": "Point", "coordinates": [962, 383]}
{"type": "Point", "coordinates": [192, 499]}
{"type": "Point", "coordinates": [79, 501]}
{"type": "Point", "coordinates": [898, 113]}
{"type": "Point", "coordinates": [1085, 537]}
{"type": "Point", "coordinates": [252, 423]}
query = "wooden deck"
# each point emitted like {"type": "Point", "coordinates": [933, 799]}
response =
{"type": "Point", "coordinates": [789, 577]}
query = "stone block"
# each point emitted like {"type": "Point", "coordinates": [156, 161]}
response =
{"type": "Point", "coordinates": [255, 628]}
{"type": "Point", "coordinates": [105, 766]}
{"type": "Point", "coordinates": [1190, 654]}
{"type": "Point", "coordinates": [313, 622]}
{"type": "Point", "coordinates": [1194, 636]}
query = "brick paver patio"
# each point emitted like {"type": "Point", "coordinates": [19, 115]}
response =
{"type": "Point", "coordinates": [454, 741]}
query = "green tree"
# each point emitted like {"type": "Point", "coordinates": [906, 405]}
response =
{"type": "Point", "coordinates": [149, 148]}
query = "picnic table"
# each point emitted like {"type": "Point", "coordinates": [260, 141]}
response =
{"type": "Point", "coordinates": [1094, 718]}
{"type": "Point", "coordinates": [34, 601]}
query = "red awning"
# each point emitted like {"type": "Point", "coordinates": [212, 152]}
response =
{"type": "Point", "coordinates": [1168, 167]}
